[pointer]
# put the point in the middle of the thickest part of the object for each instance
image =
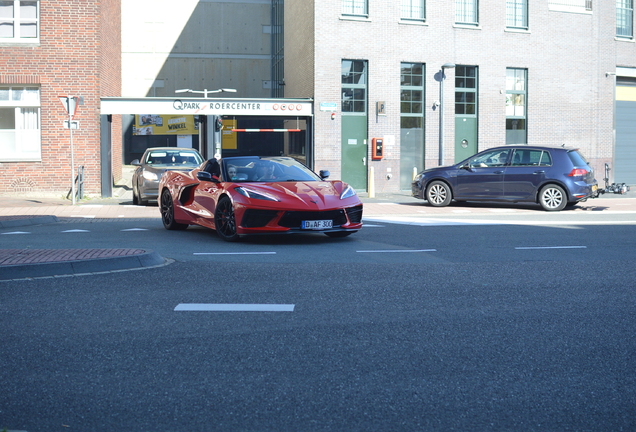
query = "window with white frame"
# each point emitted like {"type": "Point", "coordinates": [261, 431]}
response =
{"type": "Point", "coordinates": [625, 19]}
{"type": "Point", "coordinates": [19, 123]}
{"type": "Point", "coordinates": [412, 10]}
{"type": "Point", "coordinates": [355, 7]}
{"type": "Point", "coordinates": [516, 97]}
{"type": "Point", "coordinates": [19, 20]}
{"type": "Point", "coordinates": [517, 14]}
{"type": "Point", "coordinates": [466, 12]}
{"type": "Point", "coordinates": [354, 86]}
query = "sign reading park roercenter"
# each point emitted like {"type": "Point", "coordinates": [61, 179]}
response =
{"type": "Point", "coordinates": [198, 106]}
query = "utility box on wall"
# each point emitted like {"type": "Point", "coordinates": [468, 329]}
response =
{"type": "Point", "coordinates": [377, 148]}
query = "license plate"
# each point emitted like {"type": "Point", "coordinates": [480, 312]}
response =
{"type": "Point", "coordinates": [317, 224]}
{"type": "Point", "coordinates": [594, 188]}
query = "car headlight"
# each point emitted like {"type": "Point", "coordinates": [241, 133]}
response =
{"type": "Point", "coordinates": [150, 175]}
{"type": "Point", "coordinates": [418, 178]}
{"type": "Point", "coordinates": [348, 192]}
{"type": "Point", "coordinates": [250, 193]}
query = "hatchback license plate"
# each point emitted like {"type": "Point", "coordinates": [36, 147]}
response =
{"type": "Point", "coordinates": [317, 224]}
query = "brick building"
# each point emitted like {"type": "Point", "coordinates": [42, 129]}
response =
{"type": "Point", "coordinates": [49, 49]}
{"type": "Point", "coordinates": [522, 71]}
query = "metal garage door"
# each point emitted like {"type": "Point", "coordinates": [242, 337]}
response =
{"type": "Point", "coordinates": [625, 151]}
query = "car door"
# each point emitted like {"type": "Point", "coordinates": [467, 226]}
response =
{"type": "Point", "coordinates": [482, 176]}
{"type": "Point", "coordinates": [526, 173]}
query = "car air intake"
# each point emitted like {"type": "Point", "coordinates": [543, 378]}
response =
{"type": "Point", "coordinates": [355, 214]}
{"type": "Point", "coordinates": [257, 218]}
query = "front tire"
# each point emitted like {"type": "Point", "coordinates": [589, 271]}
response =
{"type": "Point", "coordinates": [553, 198]}
{"type": "Point", "coordinates": [167, 213]}
{"type": "Point", "coordinates": [225, 221]}
{"type": "Point", "coordinates": [439, 194]}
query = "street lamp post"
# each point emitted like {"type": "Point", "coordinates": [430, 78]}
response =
{"type": "Point", "coordinates": [441, 111]}
{"type": "Point", "coordinates": [206, 92]}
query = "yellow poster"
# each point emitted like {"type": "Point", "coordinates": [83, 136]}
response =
{"type": "Point", "coordinates": [228, 138]}
{"type": "Point", "coordinates": [149, 124]}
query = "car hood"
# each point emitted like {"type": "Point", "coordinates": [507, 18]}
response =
{"type": "Point", "coordinates": [305, 194]}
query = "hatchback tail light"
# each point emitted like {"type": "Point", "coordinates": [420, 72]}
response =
{"type": "Point", "coordinates": [577, 172]}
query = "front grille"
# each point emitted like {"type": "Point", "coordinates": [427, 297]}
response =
{"type": "Point", "coordinates": [293, 219]}
{"type": "Point", "coordinates": [355, 214]}
{"type": "Point", "coordinates": [257, 218]}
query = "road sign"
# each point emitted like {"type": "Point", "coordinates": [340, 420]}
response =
{"type": "Point", "coordinates": [71, 103]}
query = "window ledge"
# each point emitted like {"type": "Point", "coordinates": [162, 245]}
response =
{"type": "Point", "coordinates": [467, 26]}
{"type": "Point", "coordinates": [29, 44]}
{"type": "Point", "coordinates": [624, 39]}
{"type": "Point", "coordinates": [413, 22]}
{"type": "Point", "coordinates": [517, 30]}
{"type": "Point", "coordinates": [354, 18]}
{"type": "Point", "coordinates": [569, 9]}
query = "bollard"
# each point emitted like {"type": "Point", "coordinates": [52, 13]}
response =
{"type": "Point", "coordinates": [371, 182]}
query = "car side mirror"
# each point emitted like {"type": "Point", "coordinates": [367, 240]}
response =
{"type": "Point", "coordinates": [324, 174]}
{"type": "Point", "coordinates": [136, 162]}
{"type": "Point", "coordinates": [206, 176]}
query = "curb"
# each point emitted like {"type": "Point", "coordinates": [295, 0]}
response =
{"type": "Point", "coordinates": [123, 260]}
{"type": "Point", "coordinates": [17, 221]}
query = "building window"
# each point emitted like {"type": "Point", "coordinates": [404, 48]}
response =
{"type": "Point", "coordinates": [354, 86]}
{"type": "Point", "coordinates": [411, 121]}
{"type": "Point", "coordinates": [625, 19]}
{"type": "Point", "coordinates": [517, 14]}
{"type": "Point", "coordinates": [19, 21]}
{"type": "Point", "coordinates": [412, 10]}
{"type": "Point", "coordinates": [466, 90]}
{"type": "Point", "coordinates": [19, 124]}
{"type": "Point", "coordinates": [355, 7]}
{"type": "Point", "coordinates": [516, 103]}
{"type": "Point", "coordinates": [466, 12]}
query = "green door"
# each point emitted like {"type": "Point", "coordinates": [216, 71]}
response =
{"type": "Point", "coordinates": [354, 151]}
{"type": "Point", "coordinates": [465, 137]}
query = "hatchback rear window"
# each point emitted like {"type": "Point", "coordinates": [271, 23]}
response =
{"type": "Point", "coordinates": [577, 158]}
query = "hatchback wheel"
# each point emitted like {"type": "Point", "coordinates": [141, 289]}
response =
{"type": "Point", "coordinates": [553, 198]}
{"type": "Point", "coordinates": [167, 213]}
{"type": "Point", "coordinates": [225, 221]}
{"type": "Point", "coordinates": [438, 194]}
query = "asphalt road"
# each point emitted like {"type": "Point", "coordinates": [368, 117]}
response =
{"type": "Point", "coordinates": [399, 327]}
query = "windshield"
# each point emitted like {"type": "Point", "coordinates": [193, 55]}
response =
{"type": "Point", "coordinates": [168, 158]}
{"type": "Point", "coordinates": [274, 169]}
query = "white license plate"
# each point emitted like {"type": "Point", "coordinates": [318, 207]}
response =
{"type": "Point", "coordinates": [317, 224]}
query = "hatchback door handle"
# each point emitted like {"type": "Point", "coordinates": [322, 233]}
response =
{"type": "Point", "coordinates": [499, 172]}
{"type": "Point", "coordinates": [540, 172]}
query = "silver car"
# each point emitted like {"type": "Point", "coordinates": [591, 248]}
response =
{"type": "Point", "coordinates": [154, 162]}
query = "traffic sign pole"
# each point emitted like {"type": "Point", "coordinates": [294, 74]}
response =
{"type": "Point", "coordinates": [71, 103]}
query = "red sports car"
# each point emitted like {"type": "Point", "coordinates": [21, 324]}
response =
{"type": "Point", "coordinates": [258, 195]}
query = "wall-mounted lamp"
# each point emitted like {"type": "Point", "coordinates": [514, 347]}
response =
{"type": "Point", "coordinates": [206, 92]}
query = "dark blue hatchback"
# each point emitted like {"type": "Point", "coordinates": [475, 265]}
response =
{"type": "Point", "coordinates": [554, 177]}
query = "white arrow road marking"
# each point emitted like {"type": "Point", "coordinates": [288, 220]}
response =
{"type": "Point", "coordinates": [399, 250]}
{"type": "Point", "coordinates": [234, 253]}
{"type": "Point", "coordinates": [551, 247]}
{"type": "Point", "coordinates": [235, 307]}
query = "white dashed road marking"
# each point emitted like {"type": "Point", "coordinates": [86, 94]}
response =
{"type": "Point", "coordinates": [551, 247]}
{"type": "Point", "coordinates": [399, 250]}
{"type": "Point", "coordinates": [211, 307]}
{"type": "Point", "coordinates": [234, 253]}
